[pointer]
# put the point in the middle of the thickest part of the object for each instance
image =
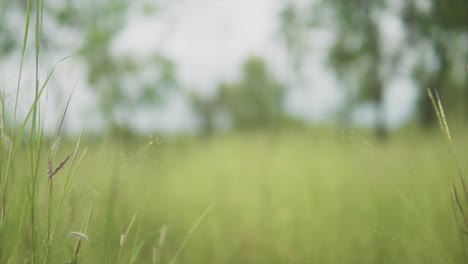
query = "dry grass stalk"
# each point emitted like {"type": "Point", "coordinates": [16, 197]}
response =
{"type": "Point", "coordinates": [51, 173]}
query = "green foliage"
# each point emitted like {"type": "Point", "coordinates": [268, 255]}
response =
{"type": "Point", "coordinates": [451, 15]}
{"type": "Point", "coordinates": [114, 78]}
{"type": "Point", "coordinates": [293, 34]}
{"type": "Point", "coordinates": [442, 25]}
{"type": "Point", "coordinates": [206, 109]}
{"type": "Point", "coordinates": [356, 54]}
{"type": "Point", "coordinates": [257, 100]}
{"type": "Point", "coordinates": [121, 84]}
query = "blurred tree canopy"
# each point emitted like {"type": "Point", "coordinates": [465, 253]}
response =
{"type": "Point", "coordinates": [436, 33]}
{"type": "Point", "coordinates": [356, 54]}
{"type": "Point", "coordinates": [120, 83]}
{"type": "Point", "coordinates": [125, 83]}
{"type": "Point", "coordinates": [206, 108]}
{"type": "Point", "coordinates": [444, 26]}
{"type": "Point", "coordinates": [255, 101]}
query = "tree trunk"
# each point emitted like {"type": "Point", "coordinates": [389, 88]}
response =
{"type": "Point", "coordinates": [466, 86]}
{"type": "Point", "coordinates": [380, 120]}
{"type": "Point", "coordinates": [374, 78]}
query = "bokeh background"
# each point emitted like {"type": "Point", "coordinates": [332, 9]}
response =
{"type": "Point", "coordinates": [176, 67]}
{"type": "Point", "coordinates": [303, 126]}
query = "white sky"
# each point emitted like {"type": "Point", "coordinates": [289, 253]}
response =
{"type": "Point", "coordinates": [208, 40]}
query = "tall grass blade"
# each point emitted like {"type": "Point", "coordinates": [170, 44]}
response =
{"type": "Point", "coordinates": [195, 225]}
{"type": "Point", "coordinates": [463, 227]}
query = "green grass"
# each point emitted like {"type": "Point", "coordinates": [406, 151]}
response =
{"type": "Point", "coordinates": [298, 196]}
{"type": "Point", "coordinates": [294, 197]}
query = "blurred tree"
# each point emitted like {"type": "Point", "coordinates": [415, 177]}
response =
{"type": "Point", "coordinates": [291, 29]}
{"type": "Point", "coordinates": [356, 54]}
{"type": "Point", "coordinates": [121, 83]}
{"type": "Point", "coordinates": [256, 101]}
{"type": "Point", "coordinates": [358, 46]}
{"type": "Point", "coordinates": [7, 40]}
{"type": "Point", "coordinates": [441, 24]}
{"type": "Point", "coordinates": [206, 109]}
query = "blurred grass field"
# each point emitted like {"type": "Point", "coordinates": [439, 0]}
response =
{"type": "Point", "coordinates": [292, 197]}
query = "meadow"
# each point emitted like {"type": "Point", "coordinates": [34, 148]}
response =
{"type": "Point", "coordinates": [296, 196]}
{"type": "Point", "coordinates": [299, 195]}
